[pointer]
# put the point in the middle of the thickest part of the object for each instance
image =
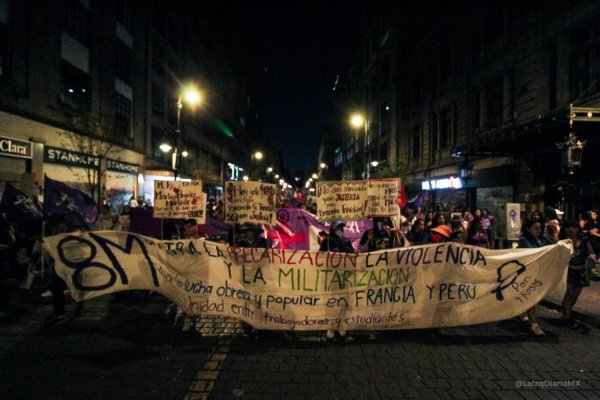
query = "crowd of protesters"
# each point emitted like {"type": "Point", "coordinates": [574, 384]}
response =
{"type": "Point", "coordinates": [415, 226]}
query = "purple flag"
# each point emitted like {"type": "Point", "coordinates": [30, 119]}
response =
{"type": "Point", "coordinates": [76, 206]}
{"type": "Point", "coordinates": [142, 221]}
{"type": "Point", "coordinates": [22, 211]}
{"type": "Point", "coordinates": [215, 227]}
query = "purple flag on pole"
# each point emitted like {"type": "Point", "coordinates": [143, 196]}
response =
{"type": "Point", "coordinates": [76, 206]}
{"type": "Point", "coordinates": [22, 211]}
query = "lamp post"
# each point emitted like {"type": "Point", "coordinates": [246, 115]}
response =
{"type": "Point", "coordinates": [192, 96]}
{"type": "Point", "coordinates": [358, 120]}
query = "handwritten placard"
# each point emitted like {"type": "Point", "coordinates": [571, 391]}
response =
{"type": "Point", "coordinates": [250, 202]}
{"type": "Point", "coordinates": [178, 199]}
{"type": "Point", "coordinates": [382, 197]}
{"type": "Point", "coordinates": [341, 200]}
{"type": "Point", "coordinates": [437, 285]}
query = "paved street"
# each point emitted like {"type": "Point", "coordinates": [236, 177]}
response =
{"type": "Point", "coordinates": [126, 347]}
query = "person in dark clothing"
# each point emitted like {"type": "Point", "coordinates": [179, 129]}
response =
{"type": "Point", "coordinates": [336, 241]}
{"type": "Point", "coordinates": [582, 250]}
{"type": "Point", "coordinates": [381, 236]}
{"type": "Point", "coordinates": [532, 237]}
{"type": "Point", "coordinates": [418, 233]}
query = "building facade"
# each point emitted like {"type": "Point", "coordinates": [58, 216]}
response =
{"type": "Point", "coordinates": [479, 101]}
{"type": "Point", "coordinates": [90, 90]}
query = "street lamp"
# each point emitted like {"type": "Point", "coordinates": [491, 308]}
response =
{"type": "Point", "coordinates": [358, 120]}
{"type": "Point", "coordinates": [192, 97]}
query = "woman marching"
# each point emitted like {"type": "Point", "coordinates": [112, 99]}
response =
{"type": "Point", "coordinates": [578, 277]}
{"type": "Point", "coordinates": [531, 237]}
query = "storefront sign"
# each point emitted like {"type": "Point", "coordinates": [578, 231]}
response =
{"type": "Point", "coordinates": [68, 157]}
{"type": "Point", "coordinates": [15, 148]}
{"type": "Point", "coordinates": [121, 166]}
{"type": "Point", "coordinates": [442, 183]}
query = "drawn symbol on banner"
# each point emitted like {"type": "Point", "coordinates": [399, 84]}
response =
{"type": "Point", "coordinates": [505, 273]}
{"type": "Point", "coordinates": [176, 190]}
{"type": "Point", "coordinates": [283, 216]}
{"type": "Point", "coordinates": [513, 217]}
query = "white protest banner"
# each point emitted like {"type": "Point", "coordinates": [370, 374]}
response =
{"type": "Point", "coordinates": [250, 202]}
{"type": "Point", "coordinates": [382, 197]}
{"type": "Point", "coordinates": [178, 199]}
{"type": "Point", "coordinates": [437, 285]}
{"type": "Point", "coordinates": [341, 200]}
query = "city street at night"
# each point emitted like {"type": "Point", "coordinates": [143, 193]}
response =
{"type": "Point", "coordinates": [126, 347]}
{"type": "Point", "coordinates": [299, 200]}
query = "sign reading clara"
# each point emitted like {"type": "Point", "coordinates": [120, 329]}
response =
{"type": "Point", "coordinates": [178, 199]}
{"type": "Point", "coordinates": [436, 285]}
{"type": "Point", "coordinates": [250, 202]}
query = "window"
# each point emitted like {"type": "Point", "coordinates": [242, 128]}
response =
{"type": "Point", "coordinates": [446, 128]}
{"type": "Point", "coordinates": [158, 97]}
{"type": "Point", "coordinates": [157, 60]}
{"type": "Point", "coordinates": [4, 37]}
{"type": "Point", "coordinates": [155, 151]}
{"type": "Point", "coordinates": [122, 116]}
{"type": "Point", "coordinates": [416, 143]}
{"type": "Point", "coordinates": [77, 21]}
{"type": "Point", "coordinates": [584, 68]}
{"type": "Point", "coordinates": [494, 22]}
{"type": "Point", "coordinates": [495, 102]}
{"type": "Point", "coordinates": [124, 64]}
{"type": "Point", "coordinates": [74, 88]}
{"type": "Point", "coordinates": [124, 14]}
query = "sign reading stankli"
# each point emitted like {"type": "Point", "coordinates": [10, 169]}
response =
{"type": "Point", "coordinates": [250, 202]}
{"type": "Point", "coordinates": [341, 200]}
{"type": "Point", "coordinates": [437, 285]}
{"type": "Point", "coordinates": [178, 199]}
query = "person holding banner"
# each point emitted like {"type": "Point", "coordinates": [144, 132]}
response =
{"type": "Point", "coordinates": [381, 236]}
{"type": "Point", "coordinates": [578, 275]}
{"type": "Point", "coordinates": [335, 240]}
{"type": "Point", "coordinates": [531, 237]}
{"type": "Point", "coordinates": [418, 233]}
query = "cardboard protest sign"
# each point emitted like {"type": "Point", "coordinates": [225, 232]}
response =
{"type": "Point", "coordinates": [383, 197]}
{"type": "Point", "coordinates": [437, 285]}
{"type": "Point", "coordinates": [250, 202]}
{"type": "Point", "coordinates": [341, 200]}
{"type": "Point", "coordinates": [178, 199]}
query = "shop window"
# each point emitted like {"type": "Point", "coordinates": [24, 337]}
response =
{"type": "Point", "coordinates": [124, 62]}
{"type": "Point", "coordinates": [416, 144]}
{"type": "Point", "coordinates": [124, 15]}
{"type": "Point", "coordinates": [123, 116]}
{"type": "Point", "coordinates": [74, 89]}
{"type": "Point", "coordinates": [76, 21]}
{"type": "Point", "coordinates": [495, 102]}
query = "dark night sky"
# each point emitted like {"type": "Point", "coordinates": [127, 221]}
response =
{"type": "Point", "coordinates": [302, 47]}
